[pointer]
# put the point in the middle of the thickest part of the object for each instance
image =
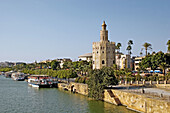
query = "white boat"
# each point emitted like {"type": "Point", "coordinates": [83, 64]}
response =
{"type": "Point", "coordinates": [18, 76]}
{"type": "Point", "coordinates": [41, 81]}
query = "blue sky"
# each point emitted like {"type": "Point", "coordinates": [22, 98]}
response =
{"type": "Point", "coordinates": [48, 29]}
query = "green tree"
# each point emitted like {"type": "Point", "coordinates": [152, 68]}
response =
{"type": "Point", "coordinates": [66, 74]}
{"type": "Point", "coordinates": [147, 46]}
{"type": "Point", "coordinates": [55, 65]}
{"type": "Point", "coordinates": [145, 63]}
{"type": "Point", "coordinates": [99, 79]}
{"type": "Point", "coordinates": [154, 61]}
{"type": "Point", "coordinates": [5, 69]}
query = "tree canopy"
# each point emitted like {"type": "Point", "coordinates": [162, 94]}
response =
{"type": "Point", "coordinates": [55, 65]}
{"type": "Point", "coordinates": [154, 61]}
{"type": "Point", "coordinates": [99, 79]}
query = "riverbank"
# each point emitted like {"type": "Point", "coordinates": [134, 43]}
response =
{"type": "Point", "coordinates": [132, 100]}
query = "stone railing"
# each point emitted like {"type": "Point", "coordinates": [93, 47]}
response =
{"type": "Point", "coordinates": [143, 82]}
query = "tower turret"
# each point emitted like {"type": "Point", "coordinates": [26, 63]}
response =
{"type": "Point", "coordinates": [104, 26]}
{"type": "Point", "coordinates": [104, 33]}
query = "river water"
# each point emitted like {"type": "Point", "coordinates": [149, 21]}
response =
{"type": "Point", "coordinates": [18, 97]}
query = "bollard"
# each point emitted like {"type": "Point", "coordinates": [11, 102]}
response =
{"type": "Point", "coordinates": [165, 82]}
{"type": "Point", "coordinates": [131, 82]}
{"type": "Point", "coordinates": [150, 82]}
{"type": "Point", "coordinates": [143, 91]}
{"type": "Point", "coordinates": [137, 82]}
{"type": "Point", "coordinates": [125, 82]}
{"type": "Point", "coordinates": [143, 82]}
{"type": "Point", "coordinates": [157, 82]}
{"type": "Point", "coordinates": [120, 82]}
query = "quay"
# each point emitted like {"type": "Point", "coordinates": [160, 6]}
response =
{"type": "Point", "coordinates": [132, 97]}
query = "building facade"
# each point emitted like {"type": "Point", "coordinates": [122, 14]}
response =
{"type": "Point", "coordinates": [103, 51]}
{"type": "Point", "coordinates": [137, 61]}
{"type": "Point", "coordinates": [86, 57]}
{"type": "Point", "coordinates": [123, 61]}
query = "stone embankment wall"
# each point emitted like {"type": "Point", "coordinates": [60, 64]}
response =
{"type": "Point", "coordinates": [118, 97]}
{"type": "Point", "coordinates": [77, 87]}
{"type": "Point", "coordinates": [63, 85]}
{"type": "Point", "coordinates": [80, 88]}
{"type": "Point", "coordinates": [138, 102]}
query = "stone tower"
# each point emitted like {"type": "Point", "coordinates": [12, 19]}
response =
{"type": "Point", "coordinates": [103, 51]}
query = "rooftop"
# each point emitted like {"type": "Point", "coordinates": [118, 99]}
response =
{"type": "Point", "coordinates": [86, 55]}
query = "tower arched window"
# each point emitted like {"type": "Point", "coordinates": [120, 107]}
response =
{"type": "Point", "coordinates": [113, 61]}
{"type": "Point", "coordinates": [103, 37]}
{"type": "Point", "coordinates": [103, 62]}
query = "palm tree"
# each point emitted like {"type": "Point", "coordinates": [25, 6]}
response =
{"type": "Point", "coordinates": [147, 46]}
{"type": "Point", "coordinates": [168, 43]}
{"type": "Point", "coordinates": [130, 42]}
{"type": "Point", "coordinates": [129, 47]}
{"type": "Point", "coordinates": [141, 53]}
{"type": "Point", "coordinates": [163, 67]}
{"type": "Point", "coordinates": [118, 46]}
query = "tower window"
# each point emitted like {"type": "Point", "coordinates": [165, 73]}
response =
{"type": "Point", "coordinates": [102, 51]}
{"type": "Point", "coordinates": [97, 51]}
{"type": "Point", "coordinates": [102, 61]}
{"type": "Point", "coordinates": [103, 37]}
{"type": "Point", "coordinates": [113, 61]}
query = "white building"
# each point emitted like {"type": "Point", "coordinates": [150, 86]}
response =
{"type": "Point", "coordinates": [123, 61]}
{"type": "Point", "coordinates": [137, 61]}
{"type": "Point", "coordinates": [86, 57]}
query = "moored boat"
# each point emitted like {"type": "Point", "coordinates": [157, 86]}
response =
{"type": "Point", "coordinates": [8, 74]}
{"type": "Point", "coordinates": [18, 76]}
{"type": "Point", "coordinates": [41, 81]}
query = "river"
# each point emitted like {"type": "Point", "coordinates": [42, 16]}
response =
{"type": "Point", "coordinates": [18, 97]}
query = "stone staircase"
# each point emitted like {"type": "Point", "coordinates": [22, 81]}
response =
{"type": "Point", "coordinates": [115, 99]}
